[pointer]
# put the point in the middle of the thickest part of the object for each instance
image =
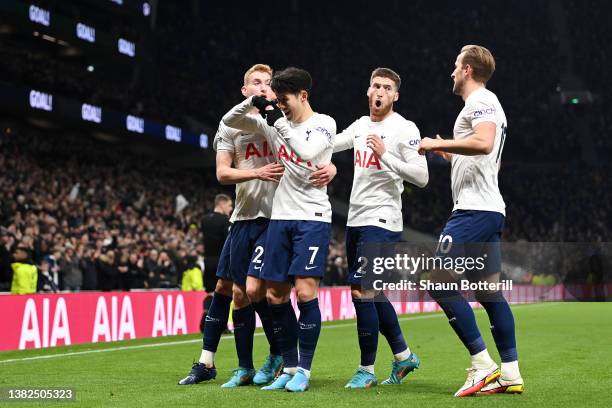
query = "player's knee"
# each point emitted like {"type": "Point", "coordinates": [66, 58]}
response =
{"type": "Point", "coordinates": [255, 289]}
{"type": "Point", "coordinates": [255, 294]}
{"type": "Point", "coordinates": [239, 296]}
{"type": "Point", "coordinates": [356, 294]}
{"type": "Point", "coordinates": [306, 289]}
{"type": "Point", "coordinates": [305, 294]}
{"type": "Point", "coordinates": [485, 296]}
{"type": "Point", "coordinates": [276, 296]}
{"type": "Point", "coordinates": [224, 287]}
{"type": "Point", "coordinates": [273, 298]}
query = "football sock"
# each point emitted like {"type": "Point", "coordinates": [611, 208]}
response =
{"type": "Point", "coordinates": [502, 324]}
{"type": "Point", "coordinates": [461, 318]}
{"type": "Point", "coordinates": [510, 370]}
{"type": "Point", "coordinates": [369, 368]}
{"type": "Point", "coordinates": [263, 310]}
{"type": "Point", "coordinates": [215, 323]}
{"type": "Point", "coordinates": [482, 360]}
{"type": "Point", "coordinates": [403, 355]}
{"type": "Point", "coordinates": [207, 358]}
{"type": "Point", "coordinates": [290, 370]}
{"type": "Point", "coordinates": [244, 329]}
{"type": "Point", "coordinates": [286, 332]}
{"type": "Point", "coordinates": [389, 325]}
{"type": "Point", "coordinates": [367, 330]}
{"type": "Point", "coordinates": [310, 328]}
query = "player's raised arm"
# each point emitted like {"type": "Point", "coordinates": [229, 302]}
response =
{"type": "Point", "coordinates": [238, 117]}
{"type": "Point", "coordinates": [345, 139]}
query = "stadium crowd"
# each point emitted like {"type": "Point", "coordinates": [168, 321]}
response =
{"type": "Point", "coordinates": [94, 217]}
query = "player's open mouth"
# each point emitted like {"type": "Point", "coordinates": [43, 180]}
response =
{"type": "Point", "coordinates": [378, 103]}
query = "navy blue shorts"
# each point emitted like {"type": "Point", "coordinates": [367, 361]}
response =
{"type": "Point", "coordinates": [247, 243]}
{"type": "Point", "coordinates": [296, 248]}
{"type": "Point", "coordinates": [476, 235]}
{"type": "Point", "coordinates": [223, 267]}
{"type": "Point", "coordinates": [355, 238]}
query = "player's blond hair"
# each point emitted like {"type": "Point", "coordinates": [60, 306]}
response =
{"type": "Point", "coordinates": [387, 73]}
{"type": "Point", "coordinates": [257, 68]}
{"type": "Point", "coordinates": [481, 60]}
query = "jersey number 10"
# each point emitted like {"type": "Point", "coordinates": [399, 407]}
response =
{"type": "Point", "coordinates": [501, 143]}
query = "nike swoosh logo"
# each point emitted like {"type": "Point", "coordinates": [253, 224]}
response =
{"type": "Point", "coordinates": [256, 268]}
{"type": "Point", "coordinates": [310, 267]}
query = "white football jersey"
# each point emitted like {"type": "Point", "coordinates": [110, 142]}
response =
{"type": "Point", "coordinates": [474, 178]}
{"type": "Point", "coordinates": [295, 197]}
{"type": "Point", "coordinates": [377, 186]}
{"type": "Point", "coordinates": [250, 151]}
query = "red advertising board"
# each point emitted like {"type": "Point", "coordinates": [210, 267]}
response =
{"type": "Point", "coordinates": [48, 320]}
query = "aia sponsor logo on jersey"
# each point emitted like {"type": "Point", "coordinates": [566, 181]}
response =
{"type": "Point", "coordinates": [258, 150]}
{"type": "Point", "coordinates": [366, 159]}
{"type": "Point", "coordinates": [292, 157]}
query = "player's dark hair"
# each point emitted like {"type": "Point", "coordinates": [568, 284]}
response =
{"type": "Point", "coordinates": [222, 198]}
{"type": "Point", "coordinates": [291, 80]}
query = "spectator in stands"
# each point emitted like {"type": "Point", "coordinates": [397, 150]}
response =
{"type": "Point", "coordinates": [123, 267]}
{"type": "Point", "coordinates": [107, 271]}
{"type": "Point", "coordinates": [136, 271]}
{"type": "Point", "coordinates": [70, 270]}
{"type": "Point", "coordinates": [192, 276]}
{"type": "Point", "coordinates": [25, 274]}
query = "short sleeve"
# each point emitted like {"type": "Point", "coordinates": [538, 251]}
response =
{"type": "Point", "coordinates": [224, 139]}
{"type": "Point", "coordinates": [410, 137]}
{"type": "Point", "coordinates": [481, 110]}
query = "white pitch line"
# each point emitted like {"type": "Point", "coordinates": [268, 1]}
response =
{"type": "Point", "coordinates": [174, 343]}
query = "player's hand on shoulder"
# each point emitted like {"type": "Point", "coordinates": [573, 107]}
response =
{"type": "Point", "coordinates": [270, 172]}
{"type": "Point", "coordinates": [323, 175]}
{"type": "Point", "coordinates": [377, 145]}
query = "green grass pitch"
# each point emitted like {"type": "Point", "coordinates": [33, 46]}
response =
{"type": "Point", "coordinates": [565, 351]}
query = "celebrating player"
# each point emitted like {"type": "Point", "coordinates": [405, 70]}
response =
{"type": "Point", "coordinates": [477, 221]}
{"type": "Point", "coordinates": [299, 232]}
{"type": "Point", "coordinates": [256, 176]}
{"type": "Point", "coordinates": [385, 151]}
